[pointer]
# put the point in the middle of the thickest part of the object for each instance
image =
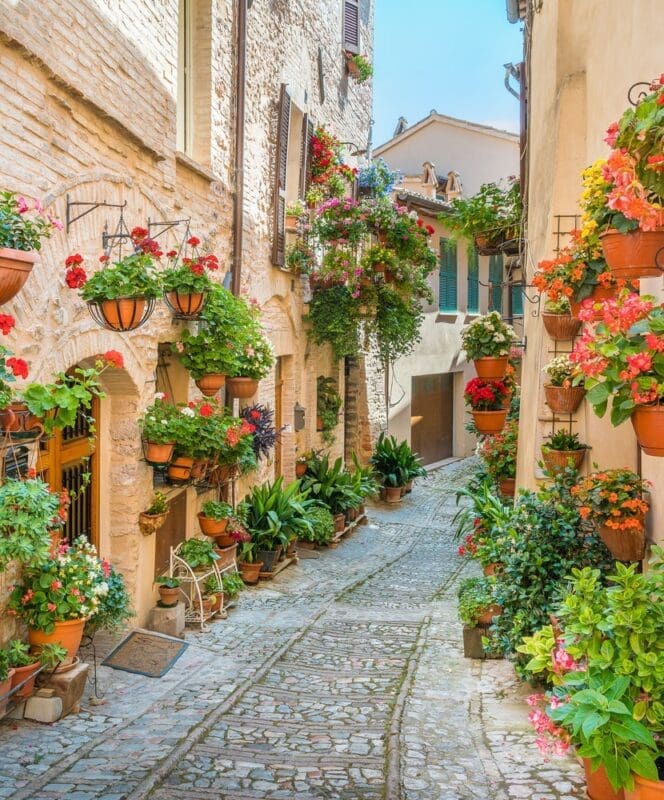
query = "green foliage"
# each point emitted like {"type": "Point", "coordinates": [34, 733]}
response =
{"type": "Point", "coordinates": [328, 402]}
{"type": "Point", "coordinates": [217, 510]}
{"type": "Point", "coordinates": [363, 67]}
{"type": "Point", "coordinates": [494, 213]}
{"type": "Point", "coordinates": [395, 462]}
{"type": "Point", "coordinates": [563, 441]}
{"type": "Point", "coordinates": [50, 655]}
{"type": "Point", "coordinates": [18, 654]}
{"type": "Point", "coordinates": [475, 595]}
{"type": "Point", "coordinates": [335, 318]}
{"type": "Point", "coordinates": [198, 553]}
{"type": "Point", "coordinates": [232, 584]}
{"type": "Point", "coordinates": [485, 508]}
{"type": "Point", "coordinates": [499, 452]}
{"type": "Point", "coordinates": [23, 227]}
{"type": "Point", "coordinates": [322, 526]}
{"type": "Point", "coordinates": [274, 514]}
{"type": "Point", "coordinates": [28, 509]}
{"type": "Point", "coordinates": [114, 608]}
{"type": "Point", "coordinates": [396, 326]}
{"type": "Point", "coordinates": [132, 276]}
{"type": "Point", "coordinates": [540, 647]}
{"type": "Point", "coordinates": [331, 486]}
{"type": "Point", "coordinates": [487, 336]}
{"type": "Point", "coordinates": [158, 505]}
{"type": "Point", "coordinates": [167, 582]}
{"type": "Point", "coordinates": [184, 280]}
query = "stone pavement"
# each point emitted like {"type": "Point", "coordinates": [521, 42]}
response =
{"type": "Point", "coordinates": [344, 678]}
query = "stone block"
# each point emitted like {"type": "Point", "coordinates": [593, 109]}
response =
{"type": "Point", "coordinates": [69, 686]}
{"type": "Point", "coordinates": [43, 709]}
{"type": "Point", "coordinates": [167, 620]}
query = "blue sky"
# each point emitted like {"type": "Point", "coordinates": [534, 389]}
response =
{"type": "Point", "coordinates": [443, 54]}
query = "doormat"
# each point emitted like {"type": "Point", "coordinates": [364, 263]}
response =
{"type": "Point", "coordinates": [146, 653]}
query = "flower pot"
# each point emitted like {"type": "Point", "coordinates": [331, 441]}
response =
{"type": "Point", "coordinates": [179, 470]}
{"type": "Point", "coordinates": [489, 422]}
{"type": "Point", "coordinates": [300, 470]}
{"type": "Point", "coordinates": [632, 255]}
{"type": "Point", "coordinates": [222, 474]}
{"type": "Point", "coordinates": [210, 384]}
{"type": "Point", "coordinates": [22, 674]}
{"type": "Point", "coordinates": [216, 599]}
{"type": "Point", "coordinates": [290, 223]}
{"type": "Point", "coordinates": [625, 545]}
{"type": "Point", "coordinates": [199, 468]}
{"type": "Point", "coordinates": [169, 597]}
{"type": "Point", "coordinates": [225, 540]}
{"type": "Point", "coordinates": [486, 246]}
{"type": "Point", "coordinates": [159, 454]}
{"type": "Point", "coordinates": [5, 688]}
{"type": "Point", "coordinates": [492, 569]}
{"type": "Point", "coordinates": [17, 422]}
{"type": "Point", "coordinates": [150, 523]}
{"type": "Point", "coordinates": [67, 633]}
{"type": "Point", "coordinates": [15, 267]}
{"type": "Point", "coordinates": [507, 486]}
{"type": "Point", "coordinates": [491, 368]}
{"type": "Point", "coordinates": [241, 387]}
{"type": "Point", "coordinates": [561, 327]}
{"type": "Point", "coordinates": [392, 494]}
{"type": "Point", "coordinates": [250, 572]}
{"type": "Point", "coordinates": [206, 606]}
{"type": "Point", "coordinates": [486, 617]}
{"type": "Point", "coordinates": [226, 555]}
{"type": "Point", "coordinates": [648, 423]}
{"type": "Point", "coordinates": [339, 522]}
{"type": "Point", "coordinates": [123, 314]}
{"type": "Point", "coordinates": [186, 305]}
{"type": "Point", "coordinates": [269, 559]}
{"type": "Point", "coordinates": [645, 790]}
{"type": "Point", "coordinates": [409, 486]}
{"type": "Point", "coordinates": [302, 545]}
{"type": "Point", "coordinates": [56, 541]}
{"type": "Point", "coordinates": [351, 67]}
{"type": "Point", "coordinates": [210, 526]}
{"type": "Point", "coordinates": [597, 784]}
{"type": "Point", "coordinates": [563, 399]}
{"type": "Point", "coordinates": [598, 295]}
{"type": "Point", "coordinates": [558, 460]}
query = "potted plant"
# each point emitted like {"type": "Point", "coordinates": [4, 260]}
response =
{"type": "Point", "coordinates": [563, 450]}
{"type": "Point", "coordinates": [253, 359]}
{"type": "Point", "coordinates": [558, 320]}
{"type": "Point", "coordinates": [498, 454]}
{"type": "Point", "coordinates": [294, 212]}
{"type": "Point", "coordinates": [322, 529]}
{"type": "Point", "coordinates": [487, 400]}
{"type": "Point", "coordinates": [620, 360]}
{"type": "Point", "coordinates": [213, 519]}
{"type": "Point", "coordinates": [169, 590]}
{"type": "Point", "coordinates": [378, 262]}
{"type": "Point", "coordinates": [28, 511]}
{"type": "Point", "coordinates": [187, 284]}
{"type": "Point", "coordinates": [186, 429]}
{"type": "Point", "coordinates": [6, 677]}
{"type": "Point", "coordinates": [150, 520]}
{"type": "Point", "coordinates": [391, 460]}
{"type": "Point", "coordinates": [328, 405]}
{"type": "Point", "coordinates": [214, 589]}
{"type": "Point", "coordinates": [299, 257]}
{"type": "Point", "coordinates": [120, 296]}
{"type": "Point", "coordinates": [199, 554]}
{"type": "Point", "coordinates": [490, 218]}
{"type": "Point", "coordinates": [614, 501]}
{"type": "Point", "coordinates": [162, 424]}
{"type": "Point", "coordinates": [302, 463]}
{"type": "Point", "coordinates": [331, 486]}
{"type": "Point", "coordinates": [565, 391]}
{"type": "Point", "coordinates": [377, 179]}
{"type": "Point", "coordinates": [56, 598]}
{"type": "Point", "coordinates": [250, 567]}
{"type": "Point", "coordinates": [487, 341]}
{"type": "Point", "coordinates": [358, 67]}
{"type": "Point", "coordinates": [232, 584]}
{"type": "Point", "coordinates": [23, 225]}
{"type": "Point", "coordinates": [477, 603]}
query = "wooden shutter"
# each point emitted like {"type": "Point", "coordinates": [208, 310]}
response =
{"type": "Point", "coordinates": [351, 26]}
{"type": "Point", "coordinates": [447, 278]}
{"type": "Point", "coordinates": [473, 306]}
{"type": "Point", "coordinates": [283, 122]}
{"type": "Point", "coordinates": [496, 282]}
{"type": "Point", "coordinates": [307, 166]}
{"type": "Point", "coordinates": [305, 159]}
{"type": "Point", "coordinates": [517, 298]}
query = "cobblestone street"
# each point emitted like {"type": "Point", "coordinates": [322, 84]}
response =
{"type": "Point", "coordinates": [343, 678]}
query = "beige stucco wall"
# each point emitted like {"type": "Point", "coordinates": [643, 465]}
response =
{"type": "Point", "coordinates": [585, 56]}
{"type": "Point", "coordinates": [88, 102]}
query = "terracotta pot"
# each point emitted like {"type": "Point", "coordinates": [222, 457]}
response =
{"type": "Point", "coordinates": [489, 422]}
{"type": "Point", "coordinates": [486, 618]}
{"type": "Point", "coordinates": [352, 68]}
{"type": "Point", "coordinates": [179, 470]}
{"type": "Point", "coordinates": [319, 424]}
{"type": "Point", "coordinates": [216, 603]}
{"type": "Point", "coordinates": [226, 555]}
{"type": "Point", "coordinates": [302, 545]}
{"type": "Point", "coordinates": [492, 569]}
{"type": "Point", "coordinates": [339, 522]}
{"type": "Point", "coordinates": [627, 545]}
{"type": "Point", "coordinates": [241, 387]}
{"type": "Point", "coordinates": [68, 634]}
{"type": "Point", "coordinates": [485, 246]}
{"type": "Point", "coordinates": [250, 572]}
{"type": "Point", "coordinates": [5, 688]}
{"type": "Point", "coordinates": [290, 223]}
{"type": "Point", "coordinates": [210, 526]}
{"type": "Point", "coordinates": [300, 470]}
{"type": "Point", "coordinates": [491, 368]}
{"type": "Point", "coordinates": [225, 540]}
{"type": "Point", "coordinates": [562, 400]}
{"type": "Point", "coordinates": [393, 494]}
{"type": "Point", "coordinates": [22, 674]}
{"type": "Point", "coordinates": [17, 420]}
{"type": "Point", "coordinates": [199, 468]}
{"type": "Point", "coordinates": [15, 268]}
{"type": "Point", "coordinates": [206, 606]}
{"type": "Point", "coordinates": [409, 486]}
{"type": "Point", "coordinates": [648, 423]}
{"type": "Point", "coordinates": [159, 454]}
{"type": "Point", "coordinates": [210, 384]}
{"type": "Point", "coordinates": [557, 460]}
{"type": "Point", "coordinates": [598, 786]}
{"type": "Point", "coordinates": [123, 314]}
{"type": "Point", "coordinates": [645, 790]}
{"type": "Point", "coordinates": [222, 474]}
{"type": "Point", "coordinates": [168, 597]}
{"type": "Point", "coordinates": [150, 523]}
{"type": "Point", "coordinates": [561, 327]}
{"type": "Point", "coordinates": [632, 255]}
{"type": "Point", "coordinates": [599, 294]}
{"type": "Point", "coordinates": [186, 305]}
{"type": "Point", "coordinates": [507, 486]}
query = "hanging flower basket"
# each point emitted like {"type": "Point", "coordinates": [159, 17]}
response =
{"type": "Point", "coordinates": [187, 306]}
{"type": "Point", "coordinates": [15, 267]}
{"type": "Point", "coordinates": [561, 327]}
{"type": "Point", "coordinates": [123, 314]}
{"type": "Point", "coordinates": [158, 454]}
{"type": "Point", "coordinates": [209, 385]}
{"type": "Point", "coordinates": [485, 246]}
{"type": "Point", "coordinates": [241, 387]}
{"type": "Point", "coordinates": [625, 545]}
{"type": "Point", "coordinates": [489, 422]}
{"type": "Point", "coordinates": [18, 424]}
{"type": "Point", "coordinates": [634, 255]}
{"type": "Point", "coordinates": [648, 423]}
{"type": "Point", "coordinates": [491, 368]}
{"type": "Point", "coordinates": [150, 523]}
{"type": "Point", "coordinates": [563, 399]}
{"type": "Point", "coordinates": [558, 460]}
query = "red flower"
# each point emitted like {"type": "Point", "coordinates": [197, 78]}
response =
{"type": "Point", "coordinates": [462, 550]}
{"type": "Point", "coordinates": [171, 253]}
{"type": "Point", "coordinates": [420, 222]}
{"type": "Point", "coordinates": [76, 277]}
{"type": "Point", "coordinates": [138, 234]}
{"type": "Point", "coordinates": [73, 260]}
{"type": "Point", "coordinates": [7, 322]}
{"type": "Point", "coordinates": [255, 414]}
{"type": "Point", "coordinates": [206, 410]}
{"type": "Point", "coordinates": [193, 241]}
{"type": "Point", "coordinates": [18, 367]}
{"type": "Point", "coordinates": [103, 259]}
{"type": "Point", "coordinates": [430, 230]}
{"type": "Point", "coordinates": [32, 472]}
{"type": "Point", "coordinates": [114, 358]}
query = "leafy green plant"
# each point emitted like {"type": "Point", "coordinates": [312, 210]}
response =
{"type": "Point", "coordinates": [328, 403]}
{"type": "Point", "coordinates": [217, 510]}
{"type": "Point", "coordinates": [499, 452]}
{"type": "Point", "coordinates": [299, 257]}
{"type": "Point", "coordinates": [485, 509]}
{"type": "Point", "coordinates": [335, 317]}
{"type": "Point", "coordinates": [487, 337]}
{"type": "Point", "coordinates": [322, 526]}
{"type": "Point", "coordinates": [475, 596]}
{"type": "Point", "coordinates": [275, 514]}
{"type": "Point", "coordinates": [395, 462]}
{"type": "Point", "coordinates": [198, 553]}
{"type": "Point", "coordinates": [396, 328]}
{"type": "Point", "coordinates": [364, 479]}
{"type": "Point", "coordinates": [28, 509]}
{"type": "Point", "coordinates": [132, 276]}
{"type": "Point", "coordinates": [563, 441]}
{"type": "Point", "coordinates": [18, 654]}
{"type": "Point", "coordinates": [158, 505]}
{"type": "Point", "coordinates": [232, 584]}
{"type": "Point", "coordinates": [167, 582]}
{"type": "Point", "coordinates": [494, 214]}
{"type": "Point", "coordinates": [51, 655]}
{"type": "Point", "coordinates": [362, 69]}
{"type": "Point", "coordinates": [24, 225]}
{"type": "Point", "coordinates": [164, 423]}
{"type": "Point", "coordinates": [114, 607]}
{"type": "Point", "coordinates": [295, 209]}
{"type": "Point", "coordinates": [331, 485]}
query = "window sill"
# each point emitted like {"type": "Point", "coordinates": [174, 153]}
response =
{"type": "Point", "coordinates": [471, 315]}
{"type": "Point", "coordinates": [447, 316]}
{"type": "Point", "coordinates": [195, 166]}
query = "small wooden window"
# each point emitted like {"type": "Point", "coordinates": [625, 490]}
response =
{"type": "Point", "coordinates": [448, 277]}
{"type": "Point", "coordinates": [283, 129]}
{"type": "Point", "coordinates": [351, 26]}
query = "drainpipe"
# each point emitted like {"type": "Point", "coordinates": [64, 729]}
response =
{"type": "Point", "coordinates": [238, 204]}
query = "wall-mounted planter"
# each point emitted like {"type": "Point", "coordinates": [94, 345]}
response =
{"type": "Point", "coordinates": [561, 327]}
{"type": "Point", "coordinates": [122, 314]}
{"type": "Point", "coordinates": [563, 399]}
{"type": "Point", "coordinates": [648, 423]}
{"type": "Point", "coordinates": [15, 267]}
{"type": "Point", "coordinates": [210, 384]}
{"type": "Point", "coordinates": [634, 255]}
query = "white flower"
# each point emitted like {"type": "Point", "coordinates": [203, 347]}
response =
{"type": "Point", "coordinates": [188, 412]}
{"type": "Point", "coordinates": [159, 396]}
{"type": "Point", "coordinates": [499, 338]}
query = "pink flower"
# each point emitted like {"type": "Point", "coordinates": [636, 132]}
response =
{"type": "Point", "coordinates": [55, 585]}
{"type": "Point", "coordinates": [22, 205]}
{"type": "Point", "coordinates": [51, 606]}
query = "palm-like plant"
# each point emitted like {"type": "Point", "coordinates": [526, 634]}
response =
{"type": "Point", "coordinates": [395, 462]}
{"type": "Point", "coordinates": [274, 514]}
{"type": "Point", "coordinates": [332, 486]}
{"type": "Point", "coordinates": [485, 504]}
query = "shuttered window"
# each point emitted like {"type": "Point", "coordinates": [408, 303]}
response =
{"type": "Point", "coordinates": [496, 283]}
{"type": "Point", "coordinates": [351, 26]}
{"type": "Point", "coordinates": [283, 122]}
{"type": "Point", "coordinates": [305, 159]}
{"type": "Point", "coordinates": [448, 275]}
{"type": "Point", "coordinates": [517, 299]}
{"type": "Point", "coordinates": [473, 281]}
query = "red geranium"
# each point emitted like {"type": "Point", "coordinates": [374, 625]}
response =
{"type": "Point", "coordinates": [18, 366]}
{"type": "Point", "coordinates": [7, 322]}
{"type": "Point", "coordinates": [486, 395]}
{"type": "Point", "coordinates": [114, 358]}
{"type": "Point", "coordinates": [76, 277]}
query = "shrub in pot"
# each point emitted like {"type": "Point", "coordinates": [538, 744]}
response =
{"type": "Point", "coordinates": [487, 341]}
{"type": "Point", "coordinates": [154, 516]}
{"type": "Point", "coordinates": [253, 358]}
{"type": "Point", "coordinates": [213, 518]}
{"type": "Point", "coordinates": [199, 554]}
{"type": "Point", "coordinates": [488, 401]}
{"type": "Point", "coordinates": [28, 511]}
{"type": "Point", "coordinates": [564, 391]}
{"type": "Point", "coordinates": [477, 601]}
{"type": "Point", "coordinates": [249, 565]}
{"type": "Point", "coordinates": [232, 584]}
{"type": "Point", "coordinates": [395, 464]}
{"type": "Point", "coordinates": [322, 528]}
{"type": "Point", "coordinates": [498, 454]}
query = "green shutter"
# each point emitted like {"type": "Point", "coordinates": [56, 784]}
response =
{"type": "Point", "coordinates": [496, 281]}
{"type": "Point", "coordinates": [473, 281]}
{"type": "Point", "coordinates": [517, 299]}
{"type": "Point", "coordinates": [447, 282]}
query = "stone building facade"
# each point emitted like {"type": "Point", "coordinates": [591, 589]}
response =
{"type": "Point", "coordinates": [135, 103]}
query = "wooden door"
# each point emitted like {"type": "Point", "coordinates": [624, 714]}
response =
{"type": "Point", "coordinates": [432, 417]}
{"type": "Point", "coordinates": [278, 414]}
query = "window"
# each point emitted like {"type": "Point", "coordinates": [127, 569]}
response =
{"type": "Point", "coordinates": [447, 285]}
{"type": "Point", "coordinates": [473, 281]}
{"type": "Point", "coordinates": [496, 283]}
{"type": "Point", "coordinates": [351, 26]}
{"type": "Point", "coordinates": [517, 299]}
{"type": "Point", "coordinates": [194, 84]}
